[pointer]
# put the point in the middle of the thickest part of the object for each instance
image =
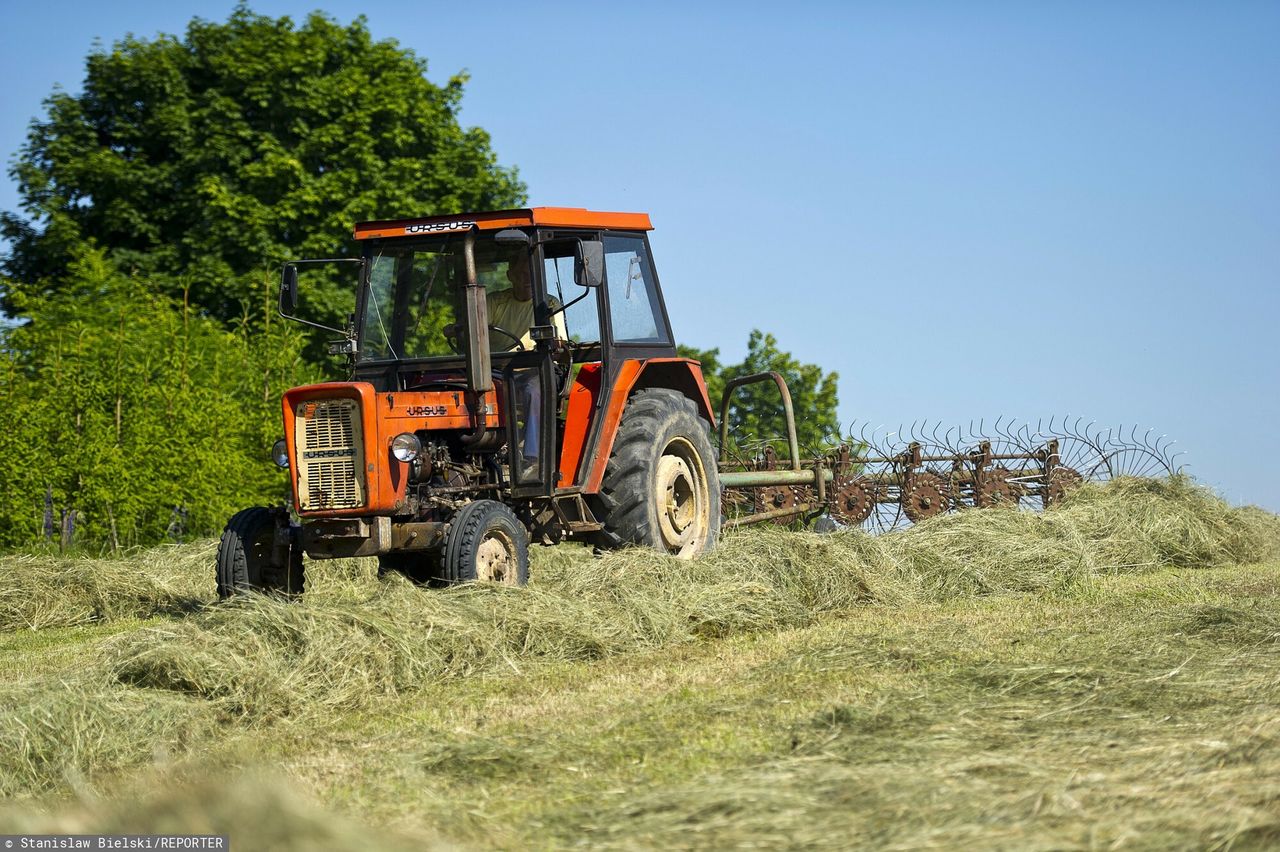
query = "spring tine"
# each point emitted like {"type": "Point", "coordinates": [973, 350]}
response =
{"type": "Point", "coordinates": [1028, 440]}
{"type": "Point", "coordinates": [954, 444]}
{"type": "Point", "coordinates": [1012, 435]}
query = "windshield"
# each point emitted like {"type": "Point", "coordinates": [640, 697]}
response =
{"type": "Point", "coordinates": [414, 306]}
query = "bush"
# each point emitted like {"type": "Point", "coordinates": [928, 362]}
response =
{"type": "Point", "coordinates": [139, 414]}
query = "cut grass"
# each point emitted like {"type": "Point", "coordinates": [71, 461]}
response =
{"type": "Point", "coordinates": [1018, 722]}
{"type": "Point", "coordinates": [1124, 717]}
{"type": "Point", "coordinates": [264, 659]}
{"type": "Point", "coordinates": [259, 810]}
{"type": "Point", "coordinates": [44, 590]}
{"type": "Point", "coordinates": [355, 650]}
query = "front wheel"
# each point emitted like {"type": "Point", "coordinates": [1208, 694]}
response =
{"type": "Point", "coordinates": [248, 559]}
{"type": "Point", "coordinates": [486, 544]}
{"type": "Point", "coordinates": [661, 488]}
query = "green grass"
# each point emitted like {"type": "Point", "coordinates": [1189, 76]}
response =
{"type": "Point", "coordinates": [1101, 675]}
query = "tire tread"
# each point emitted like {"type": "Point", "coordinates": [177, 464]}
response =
{"type": "Point", "coordinates": [623, 497]}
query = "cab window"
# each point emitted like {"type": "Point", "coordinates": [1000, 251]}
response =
{"type": "Point", "coordinates": [634, 309]}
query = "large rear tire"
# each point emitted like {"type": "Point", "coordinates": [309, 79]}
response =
{"type": "Point", "coordinates": [245, 555]}
{"type": "Point", "coordinates": [661, 488]}
{"type": "Point", "coordinates": [486, 544]}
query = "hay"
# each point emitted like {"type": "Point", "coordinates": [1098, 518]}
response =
{"type": "Point", "coordinates": [40, 591]}
{"type": "Point", "coordinates": [352, 641]}
{"type": "Point", "coordinates": [257, 811]}
{"type": "Point", "coordinates": [1119, 745]}
{"type": "Point", "coordinates": [265, 659]}
{"type": "Point", "coordinates": [60, 731]}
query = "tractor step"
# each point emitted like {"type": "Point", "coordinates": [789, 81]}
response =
{"type": "Point", "coordinates": [574, 513]}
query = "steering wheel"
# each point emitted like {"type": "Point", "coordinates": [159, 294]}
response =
{"type": "Point", "coordinates": [519, 342]}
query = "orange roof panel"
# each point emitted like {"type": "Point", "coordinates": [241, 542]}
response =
{"type": "Point", "coordinates": [562, 217]}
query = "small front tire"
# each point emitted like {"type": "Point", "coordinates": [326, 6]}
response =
{"type": "Point", "coordinates": [248, 559]}
{"type": "Point", "coordinates": [487, 544]}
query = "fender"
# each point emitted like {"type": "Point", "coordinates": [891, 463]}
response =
{"type": "Point", "coordinates": [681, 374]}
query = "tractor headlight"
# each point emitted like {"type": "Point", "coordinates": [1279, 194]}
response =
{"type": "Point", "coordinates": [406, 446]}
{"type": "Point", "coordinates": [280, 453]}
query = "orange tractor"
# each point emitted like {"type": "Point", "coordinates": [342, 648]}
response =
{"type": "Point", "coordinates": [515, 378]}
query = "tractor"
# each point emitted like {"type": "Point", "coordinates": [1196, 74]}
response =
{"type": "Point", "coordinates": [514, 379]}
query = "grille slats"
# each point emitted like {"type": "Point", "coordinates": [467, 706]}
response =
{"type": "Point", "coordinates": [331, 455]}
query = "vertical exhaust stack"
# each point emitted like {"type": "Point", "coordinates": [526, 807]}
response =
{"type": "Point", "coordinates": [479, 369]}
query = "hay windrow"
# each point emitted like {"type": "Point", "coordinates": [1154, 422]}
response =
{"type": "Point", "coordinates": [45, 590]}
{"type": "Point", "coordinates": [59, 731]}
{"type": "Point", "coordinates": [267, 659]}
{"type": "Point", "coordinates": [353, 640]}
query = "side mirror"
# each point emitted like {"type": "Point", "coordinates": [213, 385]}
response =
{"type": "Point", "coordinates": [589, 269]}
{"type": "Point", "coordinates": [289, 290]}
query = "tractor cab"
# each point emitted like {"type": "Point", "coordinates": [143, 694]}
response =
{"type": "Point", "coordinates": [513, 377]}
{"type": "Point", "coordinates": [509, 307]}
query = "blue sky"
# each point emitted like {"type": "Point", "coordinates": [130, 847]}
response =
{"type": "Point", "coordinates": [967, 210]}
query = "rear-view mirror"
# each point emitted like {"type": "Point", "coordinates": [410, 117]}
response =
{"type": "Point", "coordinates": [589, 271]}
{"type": "Point", "coordinates": [289, 290]}
{"type": "Point", "coordinates": [511, 237]}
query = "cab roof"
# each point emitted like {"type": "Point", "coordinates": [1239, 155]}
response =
{"type": "Point", "coordinates": [562, 217]}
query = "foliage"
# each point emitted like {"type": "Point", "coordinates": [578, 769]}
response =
{"type": "Point", "coordinates": [201, 163]}
{"type": "Point", "coordinates": [141, 372]}
{"type": "Point", "coordinates": [756, 412]}
{"type": "Point", "coordinates": [134, 410]}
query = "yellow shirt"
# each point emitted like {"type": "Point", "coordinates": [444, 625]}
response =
{"type": "Point", "coordinates": [510, 314]}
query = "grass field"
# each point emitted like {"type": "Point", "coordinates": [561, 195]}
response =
{"type": "Point", "coordinates": [1104, 675]}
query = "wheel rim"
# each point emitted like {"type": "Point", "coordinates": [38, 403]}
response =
{"type": "Point", "coordinates": [496, 560]}
{"type": "Point", "coordinates": [683, 503]}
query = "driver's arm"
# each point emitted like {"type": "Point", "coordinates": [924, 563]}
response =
{"type": "Point", "coordinates": [557, 318]}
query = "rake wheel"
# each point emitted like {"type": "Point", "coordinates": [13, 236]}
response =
{"type": "Point", "coordinates": [925, 496]}
{"type": "Point", "coordinates": [995, 489]}
{"type": "Point", "coordinates": [855, 500]}
{"type": "Point", "coordinates": [1061, 480]}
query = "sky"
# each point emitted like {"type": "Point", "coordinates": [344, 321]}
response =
{"type": "Point", "coordinates": [966, 210]}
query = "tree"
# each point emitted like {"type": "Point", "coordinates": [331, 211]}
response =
{"type": "Point", "coordinates": [756, 411]}
{"type": "Point", "coordinates": [202, 163]}
{"type": "Point", "coordinates": [131, 409]}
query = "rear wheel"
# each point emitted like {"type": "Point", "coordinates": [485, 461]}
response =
{"type": "Point", "coordinates": [486, 544]}
{"type": "Point", "coordinates": [246, 553]}
{"type": "Point", "coordinates": [661, 488]}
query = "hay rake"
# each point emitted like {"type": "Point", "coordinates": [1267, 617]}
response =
{"type": "Point", "coordinates": [882, 479]}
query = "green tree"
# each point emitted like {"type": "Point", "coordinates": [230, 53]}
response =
{"type": "Point", "coordinates": [201, 163]}
{"type": "Point", "coordinates": [756, 411]}
{"type": "Point", "coordinates": [128, 405]}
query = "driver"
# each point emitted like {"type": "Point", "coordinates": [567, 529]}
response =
{"type": "Point", "coordinates": [512, 310]}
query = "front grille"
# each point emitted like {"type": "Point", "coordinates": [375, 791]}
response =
{"type": "Point", "coordinates": [330, 450]}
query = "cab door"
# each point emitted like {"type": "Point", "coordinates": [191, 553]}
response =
{"type": "Point", "coordinates": [576, 313]}
{"type": "Point", "coordinates": [567, 320]}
